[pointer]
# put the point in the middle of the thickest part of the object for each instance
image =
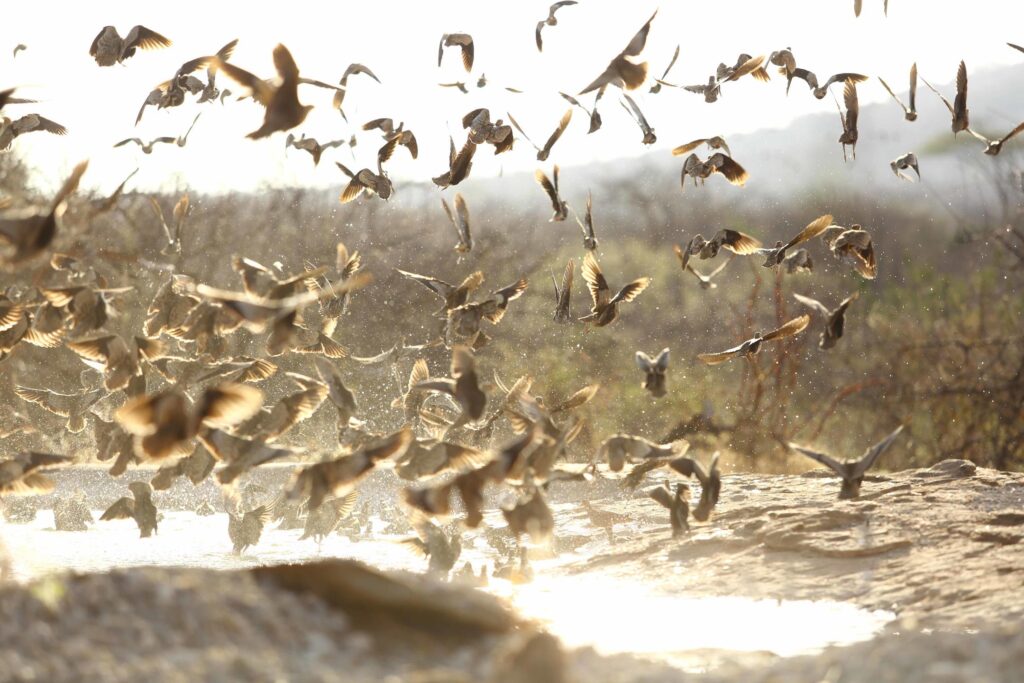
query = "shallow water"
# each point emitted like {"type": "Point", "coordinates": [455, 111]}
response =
{"type": "Point", "coordinates": [611, 613]}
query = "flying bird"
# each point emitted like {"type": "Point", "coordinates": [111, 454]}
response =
{"type": "Point", "coordinates": [139, 507]}
{"type": "Point", "coordinates": [460, 163]}
{"type": "Point", "coordinates": [853, 245]}
{"type": "Point", "coordinates": [719, 162]}
{"type": "Point", "coordinates": [593, 113]}
{"type": "Point", "coordinates": [551, 20]}
{"type": "Point", "coordinates": [623, 71]}
{"type": "Point", "coordinates": [656, 88]}
{"type": "Point", "coordinates": [834, 319]}
{"type": "Point", "coordinates": [909, 112]}
{"type": "Point", "coordinates": [958, 110]}
{"type": "Point", "coordinates": [710, 483]}
{"type": "Point", "coordinates": [649, 137]}
{"type": "Point", "coordinates": [993, 147]}
{"type": "Point", "coordinates": [108, 48]}
{"type": "Point", "coordinates": [25, 473]}
{"type": "Point", "coordinates": [458, 85]}
{"type": "Point", "coordinates": [563, 294]}
{"type": "Point", "coordinates": [775, 255]}
{"type": "Point", "coordinates": [716, 142]}
{"type": "Point", "coordinates": [31, 234]}
{"type": "Point", "coordinates": [365, 180]}
{"type": "Point", "coordinates": [245, 529]}
{"type": "Point", "coordinates": [852, 472]}
{"type": "Point", "coordinates": [460, 221]}
{"type": "Point", "coordinates": [283, 109]}
{"type": "Point", "coordinates": [560, 208]}
{"type": "Point", "coordinates": [311, 145]}
{"type": "Point", "coordinates": [849, 120]}
{"type": "Point", "coordinates": [654, 370]}
{"type": "Point", "coordinates": [463, 41]}
{"type": "Point", "coordinates": [819, 91]}
{"type": "Point", "coordinates": [704, 280]}
{"type": "Point", "coordinates": [587, 225]}
{"type": "Point", "coordinates": [353, 69]}
{"type": "Point", "coordinates": [752, 346]}
{"type": "Point", "coordinates": [605, 308]}
{"type": "Point", "coordinates": [30, 123]}
{"type": "Point", "coordinates": [908, 160]}
{"type": "Point", "coordinates": [543, 152]}
{"type": "Point", "coordinates": [463, 386]}
{"type": "Point", "coordinates": [677, 503]}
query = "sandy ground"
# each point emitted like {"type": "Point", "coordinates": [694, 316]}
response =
{"type": "Point", "coordinates": [938, 548]}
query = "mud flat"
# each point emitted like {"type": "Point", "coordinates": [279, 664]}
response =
{"type": "Point", "coordinates": [936, 554]}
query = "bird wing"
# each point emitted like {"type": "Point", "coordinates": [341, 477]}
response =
{"type": "Point", "coordinates": [644, 362]}
{"type": "Point", "coordinates": [913, 87]}
{"type": "Point", "coordinates": [631, 291]}
{"type": "Point", "coordinates": [58, 404]}
{"type": "Point", "coordinates": [577, 399]}
{"type": "Point", "coordinates": [123, 508]}
{"type": "Point", "coordinates": [1012, 133]}
{"type": "Point", "coordinates": [941, 96]}
{"type": "Point", "coordinates": [36, 122]}
{"type": "Point", "coordinates": [598, 286]}
{"type": "Point", "coordinates": [549, 188]}
{"type": "Point", "coordinates": [852, 105]}
{"type": "Point", "coordinates": [813, 229]}
{"type": "Point", "coordinates": [637, 43]}
{"type": "Point", "coordinates": [565, 291]}
{"type": "Point", "coordinates": [738, 242]}
{"type": "Point", "coordinates": [688, 147]}
{"type": "Point", "coordinates": [872, 454]}
{"type": "Point", "coordinates": [562, 124]}
{"type": "Point", "coordinates": [720, 357]}
{"type": "Point", "coordinates": [728, 167]}
{"type": "Point", "coordinates": [439, 287]}
{"type": "Point", "coordinates": [515, 123]}
{"type": "Point", "coordinates": [960, 103]}
{"type": "Point", "coordinates": [228, 403]}
{"type": "Point", "coordinates": [671, 63]}
{"type": "Point", "coordinates": [144, 38]}
{"type": "Point", "coordinates": [261, 91]}
{"type": "Point", "coordinates": [688, 467]}
{"type": "Point", "coordinates": [813, 304]}
{"type": "Point", "coordinates": [824, 458]}
{"type": "Point", "coordinates": [662, 495]}
{"type": "Point", "coordinates": [794, 326]}
{"type": "Point", "coordinates": [889, 90]}
{"type": "Point", "coordinates": [462, 214]}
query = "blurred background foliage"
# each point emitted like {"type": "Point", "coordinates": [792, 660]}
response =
{"type": "Point", "coordinates": [936, 342]}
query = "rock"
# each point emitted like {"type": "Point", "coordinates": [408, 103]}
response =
{"type": "Point", "coordinates": [951, 467]}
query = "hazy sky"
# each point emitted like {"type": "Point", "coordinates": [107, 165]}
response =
{"type": "Point", "coordinates": [398, 40]}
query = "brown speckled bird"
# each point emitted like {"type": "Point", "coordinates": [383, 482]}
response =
{"type": "Point", "coordinates": [834, 319]}
{"type": "Point", "coordinates": [751, 346]}
{"type": "Point", "coordinates": [852, 472]}
{"type": "Point", "coordinates": [605, 308]}
{"type": "Point", "coordinates": [624, 71]}
{"type": "Point", "coordinates": [108, 48]}
{"type": "Point", "coordinates": [283, 109]}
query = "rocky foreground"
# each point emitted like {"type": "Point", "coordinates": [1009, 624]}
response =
{"type": "Point", "coordinates": [940, 548]}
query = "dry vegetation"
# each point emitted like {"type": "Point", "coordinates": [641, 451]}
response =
{"type": "Point", "coordinates": [936, 342]}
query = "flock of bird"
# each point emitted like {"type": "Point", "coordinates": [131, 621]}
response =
{"type": "Point", "coordinates": [183, 392]}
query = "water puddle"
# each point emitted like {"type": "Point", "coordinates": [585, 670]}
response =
{"type": "Point", "coordinates": [612, 614]}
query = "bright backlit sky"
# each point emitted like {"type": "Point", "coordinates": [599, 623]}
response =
{"type": "Point", "coordinates": [398, 40]}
